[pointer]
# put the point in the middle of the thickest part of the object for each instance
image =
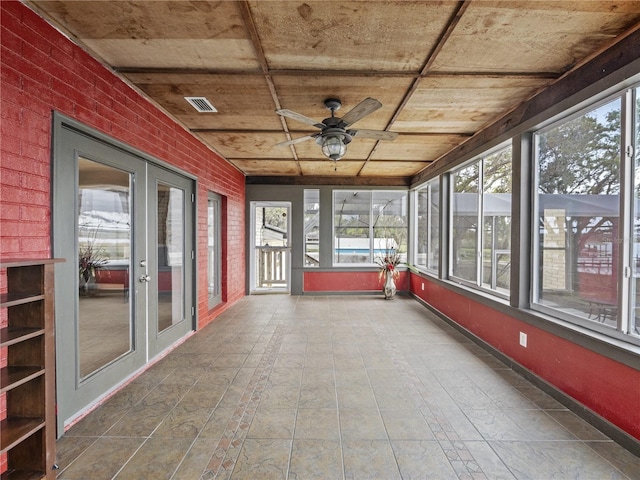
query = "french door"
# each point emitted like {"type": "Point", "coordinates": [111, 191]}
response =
{"type": "Point", "coordinates": [126, 291]}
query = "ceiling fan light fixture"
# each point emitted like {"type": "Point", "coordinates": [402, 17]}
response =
{"type": "Point", "coordinates": [333, 147]}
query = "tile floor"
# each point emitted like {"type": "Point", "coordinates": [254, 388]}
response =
{"type": "Point", "coordinates": [341, 387]}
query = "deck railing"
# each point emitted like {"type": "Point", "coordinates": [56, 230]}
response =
{"type": "Point", "coordinates": [271, 267]}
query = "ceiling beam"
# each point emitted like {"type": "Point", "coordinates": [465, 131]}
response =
{"type": "Point", "coordinates": [544, 75]}
{"type": "Point", "coordinates": [302, 132]}
{"type": "Point", "coordinates": [323, 180]}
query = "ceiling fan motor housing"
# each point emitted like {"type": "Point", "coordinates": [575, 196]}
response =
{"type": "Point", "coordinates": [332, 104]}
{"type": "Point", "coordinates": [334, 132]}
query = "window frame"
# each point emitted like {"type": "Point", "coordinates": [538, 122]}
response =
{"type": "Point", "coordinates": [304, 228]}
{"type": "Point", "coordinates": [479, 282]}
{"type": "Point", "coordinates": [429, 267]}
{"type": "Point", "coordinates": [628, 106]}
{"type": "Point", "coordinates": [214, 257]}
{"type": "Point", "coordinates": [370, 226]}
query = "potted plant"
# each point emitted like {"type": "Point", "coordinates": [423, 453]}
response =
{"type": "Point", "coordinates": [90, 259]}
{"type": "Point", "coordinates": [388, 271]}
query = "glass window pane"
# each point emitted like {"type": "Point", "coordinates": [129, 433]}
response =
{"type": "Point", "coordinates": [634, 325]}
{"type": "Point", "coordinates": [104, 264]}
{"type": "Point", "coordinates": [311, 228]}
{"type": "Point", "coordinates": [213, 250]}
{"type": "Point", "coordinates": [389, 216]}
{"type": "Point", "coordinates": [422, 226]}
{"type": "Point", "coordinates": [496, 213]}
{"type": "Point", "coordinates": [433, 259]}
{"type": "Point", "coordinates": [578, 215]}
{"type": "Point", "coordinates": [352, 239]}
{"type": "Point", "coordinates": [464, 237]}
{"type": "Point", "coordinates": [368, 224]}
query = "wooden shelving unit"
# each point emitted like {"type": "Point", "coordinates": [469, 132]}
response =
{"type": "Point", "coordinates": [28, 380]}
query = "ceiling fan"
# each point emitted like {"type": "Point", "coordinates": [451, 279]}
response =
{"type": "Point", "coordinates": [334, 136]}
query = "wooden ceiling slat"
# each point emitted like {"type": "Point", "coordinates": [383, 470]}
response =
{"type": "Point", "coordinates": [449, 74]}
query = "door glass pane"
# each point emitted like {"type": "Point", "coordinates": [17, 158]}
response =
{"type": "Point", "coordinates": [104, 264]}
{"type": "Point", "coordinates": [271, 246]}
{"type": "Point", "coordinates": [170, 241]}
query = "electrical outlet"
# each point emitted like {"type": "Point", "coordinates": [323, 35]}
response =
{"type": "Point", "coordinates": [423, 286]}
{"type": "Point", "coordinates": [523, 339]}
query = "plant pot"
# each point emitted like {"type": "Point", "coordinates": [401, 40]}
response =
{"type": "Point", "coordinates": [389, 288]}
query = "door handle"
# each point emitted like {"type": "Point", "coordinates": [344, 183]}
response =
{"type": "Point", "coordinates": [144, 278]}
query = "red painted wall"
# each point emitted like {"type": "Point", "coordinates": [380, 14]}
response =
{"type": "Point", "coordinates": [42, 71]}
{"type": "Point", "coordinates": [340, 281]}
{"type": "Point", "coordinates": [603, 385]}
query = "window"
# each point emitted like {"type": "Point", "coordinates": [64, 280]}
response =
{"type": "Point", "coordinates": [465, 212]}
{"type": "Point", "coordinates": [578, 218]}
{"type": "Point", "coordinates": [368, 224]}
{"type": "Point", "coordinates": [496, 216]}
{"type": "Point", "coordinates": [428, 226]}
{"type": "Point", "coordinates": [634, 320]}
{"type": "Point", "coordinates": [214, 255]}
{"type": "Point", "coordinates": [480, 239]}
{"type": "Point", "coordinates": [311, 228]}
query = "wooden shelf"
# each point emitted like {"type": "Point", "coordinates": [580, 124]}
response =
{"type": "Point", "coordinates": [10, 336]}
{"type": "Point", "coordinates": [22, 475]}
{"type": "Point", "coordinates": [11, 299]}
{"type": "Point", "coordinates": [27, 381]}
{"type": "Point", "coordinates": [27, 262]}
{"type": "Point", "coordinates": [12, 377]}
{"type": "Point", "coordinates": [15, 430]}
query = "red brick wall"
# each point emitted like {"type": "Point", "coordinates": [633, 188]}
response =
{"type": "Point", "coordinates": [41, 71]}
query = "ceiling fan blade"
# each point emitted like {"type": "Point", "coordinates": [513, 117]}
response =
{"type": "Point", "coordinates": [299, 117]}
{"type": "Point", "coordinates": [364, 108]}
{"type": "Point", "coordinates": [375, 134]}
{"type": "Point", "coordinates": [296, 140]}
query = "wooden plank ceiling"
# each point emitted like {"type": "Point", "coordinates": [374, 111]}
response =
{"type": "Point", "coordinates": [443, 70]}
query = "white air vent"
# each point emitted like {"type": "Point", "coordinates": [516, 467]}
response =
{"type": "Point", "coordinates": [201, 104]}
